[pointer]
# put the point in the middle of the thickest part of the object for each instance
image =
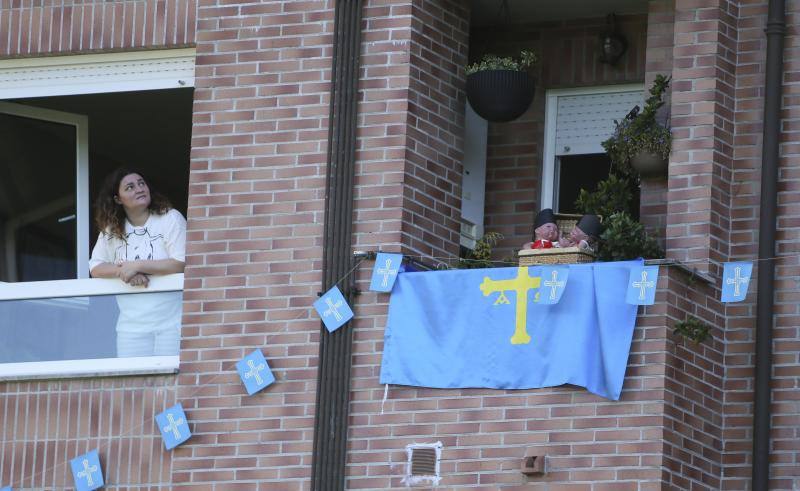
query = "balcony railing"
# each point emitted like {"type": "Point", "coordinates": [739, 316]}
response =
{"type": "Point", "coordinates": [69, 328]}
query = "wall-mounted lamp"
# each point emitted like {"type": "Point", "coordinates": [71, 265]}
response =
{"type": "Point", "coordinates": [612, 44]}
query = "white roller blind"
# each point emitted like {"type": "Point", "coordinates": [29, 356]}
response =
{"type": "Point", "coordinates": [583, 121]}
{"type": "Point", "coordinates": [96, 73]}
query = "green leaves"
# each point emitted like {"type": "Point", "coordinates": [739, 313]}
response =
{"type": "Point", "coordinates": [612, 195]}
{"type": "Point", "coordinates": [640, 132]}
{"type": "Point", "coordinates": [493, 62]}
{"type": "Point", "coordinates": [624, 238]}
{"type": "Point", "coordinates": [481, 256]}
{"type": "Point", "coordinates": [693, 329]}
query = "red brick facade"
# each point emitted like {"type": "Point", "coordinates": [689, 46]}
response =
{"type": "Point", "coordinates": [48, 27]}
{"type": "Point", "coordinates": [256, 201]}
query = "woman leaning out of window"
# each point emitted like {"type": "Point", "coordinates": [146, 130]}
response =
{"type": "Point", "coordinates": [140, 235]}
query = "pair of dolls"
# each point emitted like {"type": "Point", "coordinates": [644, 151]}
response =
{"type": "Point", "coordinates": [546, 233]}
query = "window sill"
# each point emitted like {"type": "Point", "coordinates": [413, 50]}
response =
{"type": "Point", "coordinates": [66, 294]}
{"type": "Point", "coordinates": [102, 367]}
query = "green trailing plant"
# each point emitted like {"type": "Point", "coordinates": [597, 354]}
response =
{"type": "Point", "coordinates": [615, 198]}
{"type": "Point", "coordinates": [612, 195]}
{"type": "Point", "coordinates": [624, 238]}
{"type": "Point", "coordinates": [640, 132]}
{"type": "Point", "coordinates": [525, 60]}
{"type": "Point", "coordinates": [481, 256]}
{"type": "Point", "coordinates": [692, 328]}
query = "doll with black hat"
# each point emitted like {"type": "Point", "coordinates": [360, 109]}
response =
{"type": "Point", "coordinates": [584, 234]}
{"type": "Point", "coordinates": [545, 231]}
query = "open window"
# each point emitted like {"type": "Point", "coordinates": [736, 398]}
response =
{"type": "Point", "coordinates": [44, 203]}
{"type": "Point", "coordinates": [65, 124]}
{"type": "Point", "coordinates": [577, 121]}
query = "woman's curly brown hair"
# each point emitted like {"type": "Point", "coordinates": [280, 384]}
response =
{"type": "Point", "coordinates": [109, 216]}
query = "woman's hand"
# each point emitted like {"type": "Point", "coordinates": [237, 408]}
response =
{"type": "Point", "coordinates": [139, 279]}
{"type": "Point", "coordinates": [127, 270]}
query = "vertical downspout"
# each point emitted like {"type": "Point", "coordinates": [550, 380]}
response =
{"type": "Point", "coordinates": [329, 457]}
{"type": "Point", "coordinates": [773, 89]}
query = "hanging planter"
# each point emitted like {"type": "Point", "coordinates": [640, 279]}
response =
{"type": "Point", "coordinates": [500, 95]}
{"type": "Point", "coordinates": [640, 143]}
{"type": "Point", "coordinates": [501, 89]}
{"type": "Point", "coordinates": [649, 164]}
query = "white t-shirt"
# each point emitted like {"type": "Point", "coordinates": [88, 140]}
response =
{"type": "Point", "coordinates": [161, 237]}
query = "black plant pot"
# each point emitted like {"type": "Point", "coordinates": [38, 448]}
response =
{"type": "Point", "coordinates": [650, 165]}
{"type": "Point", "coordinates": [500, 95]}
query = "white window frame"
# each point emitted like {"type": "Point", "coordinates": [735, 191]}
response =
{"type": "Point", "coordinates": [81, 125]}
{"type": "Point", "coordinates": [63, 291]}
{"type": "Point", "coordinates": [549, 183]}
{"type": "Point", "coordinates": [76, 75]}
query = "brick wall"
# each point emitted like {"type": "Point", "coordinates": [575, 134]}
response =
{"type": "Point", "coordinates": [47, 423]}
{"type": "Point", "coordinates": [256, 199]}
{"type": "Point", "coordinates": [254, 240]}
{"type": "Point", "coordinates": [435, 128]}
{"type": "Point", "coordinates": [745, 197]}
{"type": "Point", "coordinates": [658, 60]}
{"type": "Point", "coordinates": [740, 336]}
{"type": "Point", "coordinates": [47, 27]}
{"type": "Point", "coordinates": [568, 54]}
{"type": "Point", "coordinates": [702, 110]}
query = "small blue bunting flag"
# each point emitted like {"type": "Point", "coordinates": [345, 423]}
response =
{"type": "Point", "coordinates": [254, 371]}
{"type": "Point", "coordinates": [554, 281]}
{"type": "Point", "coordinates": [385, 271]}
{"type": "Point", "coordinates": [86, 471]}
{"type": "Point", "coordinates": [642, 285]}
{"type": "Point", "coordinates": [7, 488]}
{"type": "Point", "coordinates": [174, 426]}
{"type": "Point", "coordinates": [333, 309]}
{"type": "Point", "coordinates": [735, 280]}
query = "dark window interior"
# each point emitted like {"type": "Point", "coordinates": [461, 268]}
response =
{"type": "Point", "coordinates": [147, 130]}
{"type": "Point", "coordinates": [576, 172]}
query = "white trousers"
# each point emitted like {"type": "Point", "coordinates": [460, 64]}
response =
{"type": "Point", "coordinates": [159, 343]}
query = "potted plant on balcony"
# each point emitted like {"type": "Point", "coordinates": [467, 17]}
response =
{"type": "Point", "coordinates": [623, 237]}
{"type": "Point", "coordinates": [639, 141]}
{"type": "Point", "coordinates": [500, 89]}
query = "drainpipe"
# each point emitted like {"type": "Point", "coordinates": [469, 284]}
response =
{"type": "Point", "coordinates": [329, 454]}
{"type": "Point", "coordinates": [773, 88]}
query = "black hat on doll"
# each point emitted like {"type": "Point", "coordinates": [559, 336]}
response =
{"type": "Point", "coordinates": [590, 225]}
{"type": "Point", "coordinates": [543, 217]}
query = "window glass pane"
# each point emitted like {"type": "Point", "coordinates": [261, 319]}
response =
{"type": "Point", "coordinates": [37, 200]}
{"type": "Point", "coordinates": [136, 324]}
{"type": "Point", "coordinates": [576, 172]}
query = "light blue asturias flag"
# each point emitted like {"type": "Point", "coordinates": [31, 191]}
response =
{"type": "Point", "coordinates": [735, 280]}
{"type": "Point", "coordinates": [642, 285]}
{"type": "Point", "coordinates": [174, 426]}
{"type": "Point", "coordinates": [384, 273]}
{"type": "Point", "coordinates": [86, 471]}
{"type": "Point", "coordinates": [487, 328]}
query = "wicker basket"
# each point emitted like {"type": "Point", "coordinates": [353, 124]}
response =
{"type": "Point", "coordinates": [566, 222]}
{"type": "Point", "coordinates": [556, 255]}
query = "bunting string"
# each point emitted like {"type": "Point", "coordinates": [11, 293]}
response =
{"type": "Point", "coordinates": [231, 367]}
{"type": "Point", "coordinates": [677, 262]}
{"type": "Point", "coordinates": [226, 370]}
